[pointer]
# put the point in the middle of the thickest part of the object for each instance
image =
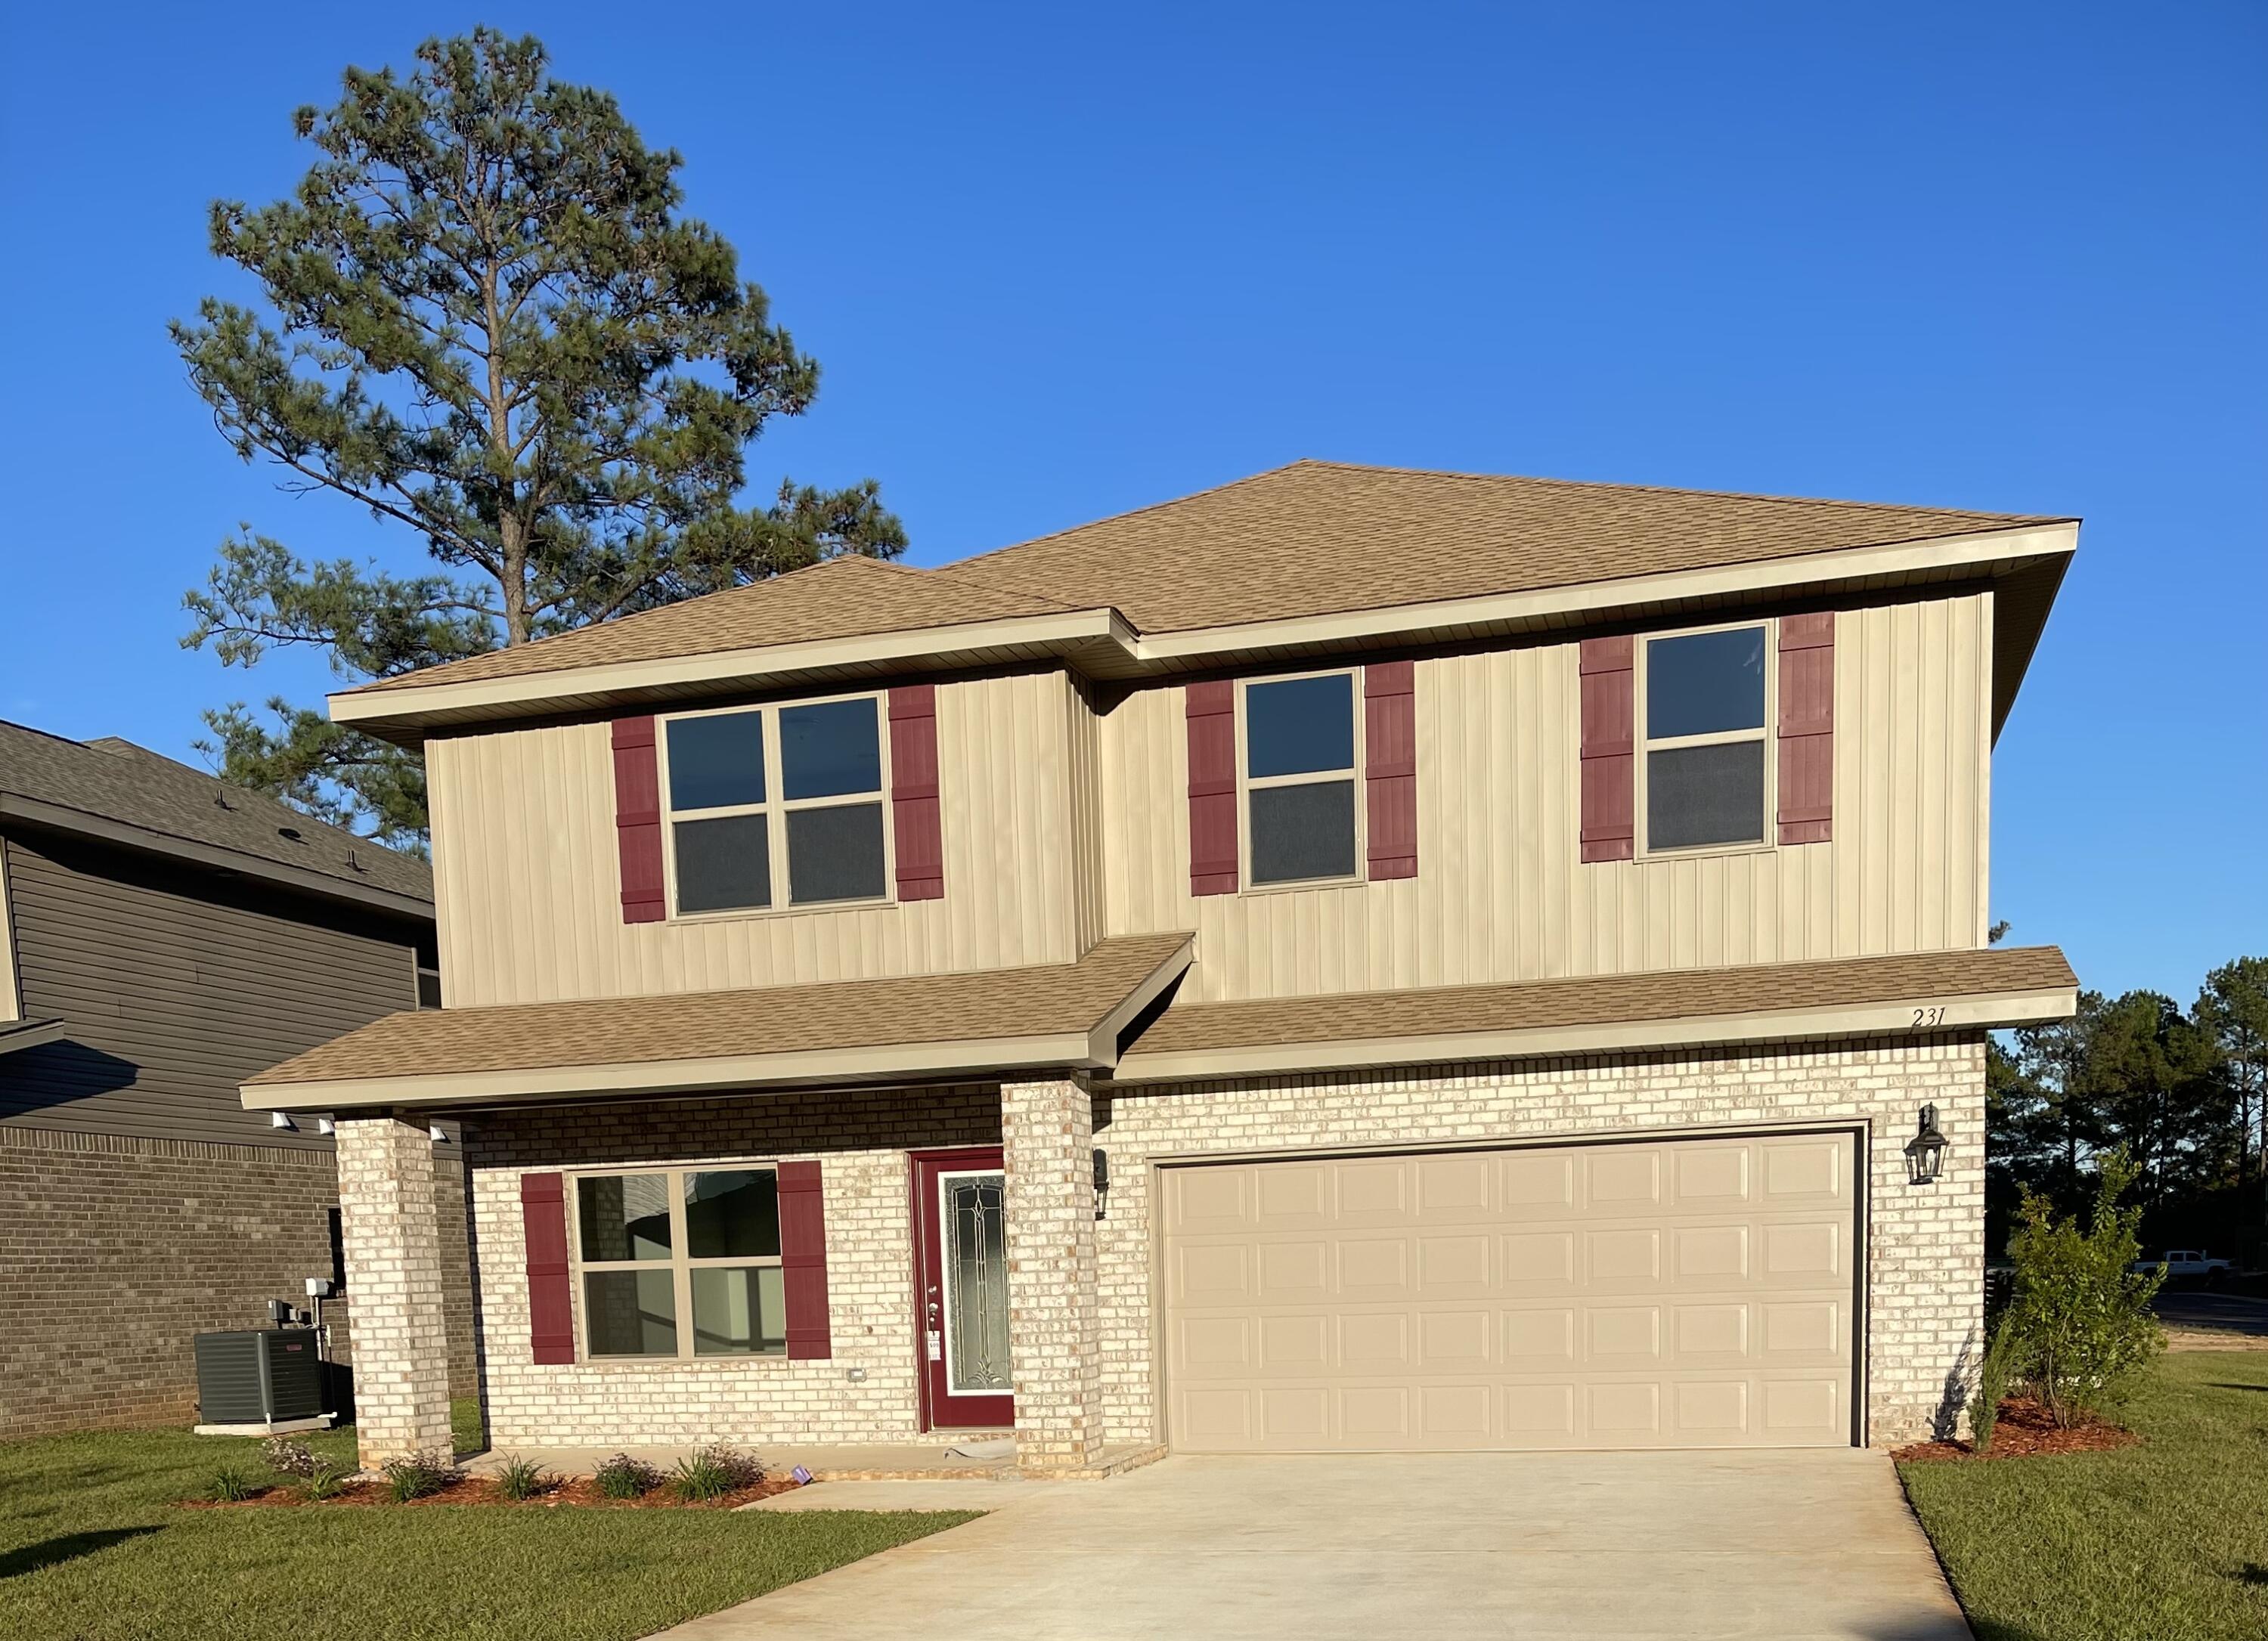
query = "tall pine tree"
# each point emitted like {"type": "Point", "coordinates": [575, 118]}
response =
{"type": "Point", "coordinates": [491, 326]}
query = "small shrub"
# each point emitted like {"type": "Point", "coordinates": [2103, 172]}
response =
{"type": "Point", "coordinates": [288, 1456]}
{"type": "Point", "coordinates": [713, 1471]}
{"type": "Point", "coordinates": [1993, 1374]}
{"type": "Point", "coordinates": [419, 1475]}
{"type": "Point", "coordinates": [522, 1478]}
{"type": "Point", "coordinates": [622, 1476]}
{"type": "Point", "coordinates": [230, 1485]}
{"type": "Point", "coordinates": [327, 1480]}
{"type": "Point", "coordinates": [2080, 1316]}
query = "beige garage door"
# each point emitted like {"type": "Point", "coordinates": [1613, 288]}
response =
{"type": "Point", "coordinates": [1677, 1294]}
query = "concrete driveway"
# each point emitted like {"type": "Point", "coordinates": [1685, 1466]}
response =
{"type": "Point", "coordinates": [1687, 1544]}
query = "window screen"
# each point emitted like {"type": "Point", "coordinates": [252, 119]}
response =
{"type": "Point", "coordinates": [723, 865]}
{"type": "Point", "coordinates": [835, 854]}
{"type": "Point", "coordinates": [1701, 795]}
{"type": "Point", "coordinates": [1303, 832]}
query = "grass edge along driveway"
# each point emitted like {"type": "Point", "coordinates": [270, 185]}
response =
{"type": "Point", "coordinates": [93, 1545]}
{"type": "Point", "coordinates": [2168, 1540]}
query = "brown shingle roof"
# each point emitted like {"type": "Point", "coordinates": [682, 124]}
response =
{"type": "Point", "coordinates": [843, 597]}
{"type": "Point", "coordinates": [1323, 537]}
{"type": "Point", "coordinates": [116, 780]}
{"type": "Point", "coordinates": [1040, 1000]}
{"type": "Point", "coordinates": [1313, 538]}
{"type": "Point", "coordinates": [1601, 1000]}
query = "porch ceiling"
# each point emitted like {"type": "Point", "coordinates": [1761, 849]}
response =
{"type": "Point", "coordinates": [1068, 1014]}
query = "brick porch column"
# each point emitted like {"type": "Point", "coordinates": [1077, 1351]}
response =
{"type": "Point", "coordinates": [1047, 1131]}
{"type": "Point", "coordinates": [392, 1232]}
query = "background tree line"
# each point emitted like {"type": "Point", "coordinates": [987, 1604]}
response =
{"type": "Point", "coordinates": [2183, 1092]}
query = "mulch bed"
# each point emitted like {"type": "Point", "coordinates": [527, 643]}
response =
{"type": "Point", "coordinates": [579, 1490]}
{"type": "Point", "coordinates": [2024, 1431]}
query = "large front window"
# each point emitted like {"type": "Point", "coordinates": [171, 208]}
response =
{"type": "Point", "coordinates": [1705, 738]}
{"type": "Point", "coordinates": [776, 804]}
{"type": "Point", "coordinates": [1299, 778]}
{"type": "Point", "coordinates": [681, 1262]}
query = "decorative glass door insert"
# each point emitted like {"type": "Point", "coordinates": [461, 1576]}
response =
{"type": "Point", "coordinates": [975, 1342]}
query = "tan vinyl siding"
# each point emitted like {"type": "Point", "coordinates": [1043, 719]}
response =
{"type": "Point", "coordinates": [1083, 739]}
{"type": "Point", "coordinates": [1501, 895]}
{"type": "Point", "coordinates": [172, 999]}
{"type": "Point", "coordinates": [525, 871]}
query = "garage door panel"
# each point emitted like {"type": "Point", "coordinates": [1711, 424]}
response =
{"type": "Point", "coordinates": [1376, 1267]}
{"type": "Point", "coordinates": [1372, 1192]}
{"type": "Point", "coordinates": [1198, 1200]}
{"type": "Point", "coordinates": [1688, 1293]}
{"type": "Point", "coordinates": [1293, 1273]}
{"type": "Point", "coordinates": [1536, 1184]}
{"type": "Point", "coordinates": [1292, 1196]}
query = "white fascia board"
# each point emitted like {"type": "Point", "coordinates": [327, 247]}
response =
{"type": "Point", "coordinates": [728, 666]}
{"type": "Point", "coordinates": [1900, 558]}
{"type": "Point", "coordinates": [1918, 1017]}
{"type": "Point", "coordinates": [974, 1056]}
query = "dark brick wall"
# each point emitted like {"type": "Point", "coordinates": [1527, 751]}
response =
{"type": "Point", "coordinates": [115, 1251]}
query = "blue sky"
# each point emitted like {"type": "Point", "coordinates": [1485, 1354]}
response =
{"type": "Point", "coordinates": [1064, 260]}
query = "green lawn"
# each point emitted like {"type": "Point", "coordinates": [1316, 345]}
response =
{"type": "Point", "coordinates": [93, 1549]}
{"type": "Point", "coordinates": [2166, 1541]}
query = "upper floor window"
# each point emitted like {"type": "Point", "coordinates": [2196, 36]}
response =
{"type": "Point", "coordinates": [1705, 738]}
{"type": "Point", "coordinates": [681, 1262]}
{"type": "Point", "coordinates": [1299, 778]}
{"type": "Point", "coordinates": [767, 797]}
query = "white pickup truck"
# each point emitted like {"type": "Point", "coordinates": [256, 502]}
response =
{"type": "Point", "coordinates": [2186, 1262]}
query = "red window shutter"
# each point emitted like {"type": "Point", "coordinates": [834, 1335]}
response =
{"type": "Point", "coordinates": [1389, 700]}
{"type": "Point", "coordinates": [803, 1262]}
{"type": "Point", "coordinates": [1212, 788]}
{"type": "Point", "coordinates": [637, 821]}
{"type": "Point", "coordinates": [550, 1302]}
{"type": "Point", "coordinates": [916, 820]}
{"type": "Point", "coordinates": [1806, 728]}
{"type": "Point", "coordinates": [1607, 670]}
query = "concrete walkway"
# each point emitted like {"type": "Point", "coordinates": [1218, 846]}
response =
{"type": "Point", "coordinates": [1692, 1545]}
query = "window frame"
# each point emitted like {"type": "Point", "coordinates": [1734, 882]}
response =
{"type": "Point", "coordinates": [681, 1264]}
{"type": "Point", "coordinates": [1644, 744]}
{"type": "Point", "coordinates": [1247, 785]}
{"type": "Point", "coordinates": [776, 807]}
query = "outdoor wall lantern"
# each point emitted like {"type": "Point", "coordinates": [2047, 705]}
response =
{"type": "Point", "coordinates": [1102, 1180]}
{"type": "Point", "coordinates": [1925, 1151]}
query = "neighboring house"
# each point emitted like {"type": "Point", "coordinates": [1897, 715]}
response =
{"type": "Point", "coordinates": [163, 935]}
{"type": "Point", "coordinates": [1353, 959]}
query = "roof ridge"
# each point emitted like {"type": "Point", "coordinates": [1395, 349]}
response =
{"type": "Point", "coordinates": [1651, 490]}
{"type": "Point", "coordinates": [1132, 512]}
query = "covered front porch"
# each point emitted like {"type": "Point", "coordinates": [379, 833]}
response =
{"type": "Point", "coordinates": [866, 1270]}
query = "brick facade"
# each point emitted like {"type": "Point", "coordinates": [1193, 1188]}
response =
{"type": "Point", "coordinates": [393, 1250]}
{"type": "Point", "coordinates": [115, 1251]}
{"type": "Point", "coordinates": [1925, 1246]}
{"type": "Point", "coordinates": [861, 1139]}
{"type": "Point", "coordinates": [1080, 1293]}
{"type": "Point", "coordinates": [1048, 1137]}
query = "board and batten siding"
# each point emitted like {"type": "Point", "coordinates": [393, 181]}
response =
{"type": "Point", "coordinates": [1501, 894]}
{"type": "Point", "coordinates": [173, 992]}
{"type": "Point", "coordinates": [527, 880]}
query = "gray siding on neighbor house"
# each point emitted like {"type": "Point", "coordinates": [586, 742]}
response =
{"type": "Point", "coordinates": [176, 985]}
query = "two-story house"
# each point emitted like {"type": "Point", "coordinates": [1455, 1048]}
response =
{"type": "Point", "coordinates": [163, 935]}
{"type": "Point", "coordinates": [1352, 959]}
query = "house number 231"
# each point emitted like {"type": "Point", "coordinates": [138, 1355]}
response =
{"type": "Point", "coordinates": [1924, 1018]}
